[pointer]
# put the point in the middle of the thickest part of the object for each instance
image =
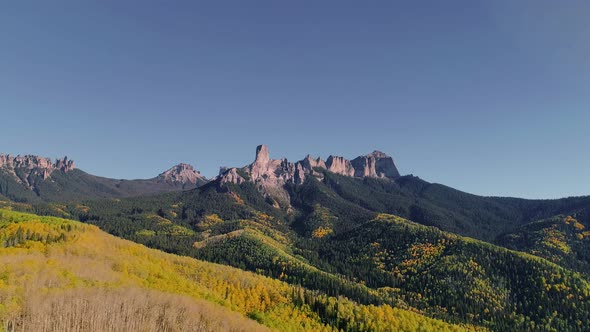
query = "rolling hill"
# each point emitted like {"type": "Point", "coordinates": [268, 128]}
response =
{"type": "Point", "coordinates": [61, 275]}
{"type": "Point", "coordinates": [341, 249]}
{"type": "Point", "coordinates": [561, 239]}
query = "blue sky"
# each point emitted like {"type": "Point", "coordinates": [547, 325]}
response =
{"type": "Point", "coordinates": [490, 97]}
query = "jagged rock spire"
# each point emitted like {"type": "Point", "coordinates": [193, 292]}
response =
{"type": "Point", "coordinates": [262, 155]}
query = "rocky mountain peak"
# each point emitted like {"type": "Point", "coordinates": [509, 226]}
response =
{"type": "Point", "coordinates": [31, 162]}
{"type": "Point", "coordinates": [377, 154]}
{"type": "Point", "coordinates": [231, 175]}
{"type": "Point", "coordinates": [310, 162]}
{"type": "Point", "coordinates": [376, 164]}
{"type": "Point", "coordinates": [307, 166]}
{"type": "Point", "coordinates": [30, 167]}
{"type": "Point", "coordinates": [182, 173]}
{"type": "Point", "coordinates": [270, 175]}
{"type": "Point", "coordinates": [262, 155]}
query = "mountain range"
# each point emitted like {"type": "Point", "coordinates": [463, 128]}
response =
{"type": "Point", "coordinates": [354, 229]}
{"type": "Point", "coordinates": [32, 178]}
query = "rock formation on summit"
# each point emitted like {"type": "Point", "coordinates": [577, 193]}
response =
{"type": "Point", "coordinates": [31, 162]}
{"type": "Point", "coordinates": [30, 166]}
{"type": "Point", "coordinates": [375, 165]}
{"type": "Point", "coordinates": [339, 165]}
{"type": "Point", "coordinates": [308, 166]}
{"type": "Point", "coordinates": [271, 175]}
{"type": "Point", "coordinates": [64, 164]}
{"type": "Point", "coordinates": [182, 174]}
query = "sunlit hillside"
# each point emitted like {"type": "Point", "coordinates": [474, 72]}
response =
{"type": "Point", "coordinates": [62, 275]}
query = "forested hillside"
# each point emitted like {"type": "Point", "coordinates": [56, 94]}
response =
{"type": "Point", "coordinates": [563, 240]}
{"type": "Point", "coordinates": [431, 204]}
{"type": "Point", "coordinates": [26, 185]}
{"type": "Point", "coordinates": [338, 248]}
{"type": "Point", "coordinates": [352, 237]}
{"type": "Point", "coordinates": [61, 275]}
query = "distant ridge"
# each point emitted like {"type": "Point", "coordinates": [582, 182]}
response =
{"type": "Point", "coordinates": [33, 178]}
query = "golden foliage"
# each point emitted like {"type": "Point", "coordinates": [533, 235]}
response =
{"type": "Point", "coordinates": [569, 220]}
{"type": "Point", "coordinates": [321, 231]}
{"type": "Point", "coordinates": [263, 218]}
{"type": "Point", "coordinates": [210, 220]}
{"type": "Point", "coordinates": [421, 253]}
{"type": "Point", "coordinates": [145, 232]}
{"type": "Point", "coordinates": [84, 266]}
{"type": "Point", "coordinates": [555, 239]}
{"type": "Point", "coordinates": [237, 198]}
{"type": "Point", "coordinates": [390, 218]}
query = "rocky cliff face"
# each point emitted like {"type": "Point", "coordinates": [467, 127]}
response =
{"type": "Point", "coordinates": [182, 174]}
{"type": "Point", "coordinates": [64, 164]}
{"type": "Point", "coordinates": [339, 165]}
{"type": "Point", "coordinates": [231, 175]}
{"type": "Point", "coordinates": [375, 165]}
{"type": "Point", "coordinates": [308, 166]}
{"type": "Point", "coordinates": [271, 175]}
{"type": "Point", "coordinates": [35, 162]}
{"type": "Point", "coordinates": [26, 168]}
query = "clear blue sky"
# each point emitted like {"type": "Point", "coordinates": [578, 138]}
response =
{"type": "Point", "coordinates": [491, 97]}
